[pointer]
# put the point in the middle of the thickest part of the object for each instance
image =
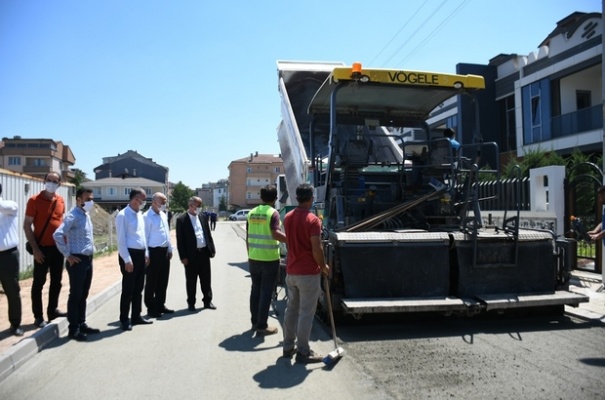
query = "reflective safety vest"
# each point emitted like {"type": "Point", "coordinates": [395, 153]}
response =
{"type": "Point", "coordinates": [261, 245]}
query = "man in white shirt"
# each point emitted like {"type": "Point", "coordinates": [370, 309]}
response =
{"type": "Point", "coordinates": [133, 258]}
{"type": "Point", "coordinates": [9, 262]}
{"type": "Point", "coordinates": [157, 235]}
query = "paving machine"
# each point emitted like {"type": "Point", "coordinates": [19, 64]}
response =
{"type": "Point", "coordinates": [403, 230]}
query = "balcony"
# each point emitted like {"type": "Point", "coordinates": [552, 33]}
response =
{"type": "Point", "coordinates": [586, 119]}
{"type": "Point", "coordinates": [36, 169]}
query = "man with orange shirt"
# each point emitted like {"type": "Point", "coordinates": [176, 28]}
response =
{"type": "Point", "coordinates": [44, 212]}
{"type": "Point", "coordinates": [305, 265]}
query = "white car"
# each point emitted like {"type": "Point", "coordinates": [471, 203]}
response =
{"type": "Point", "coordinates": [239, 215]}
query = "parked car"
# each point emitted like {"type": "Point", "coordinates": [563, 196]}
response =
{"type": "Point", "coordinates": [239, 215]}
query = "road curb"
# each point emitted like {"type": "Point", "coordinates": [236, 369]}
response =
{"type": "Point", "coordinates": [23, 351]}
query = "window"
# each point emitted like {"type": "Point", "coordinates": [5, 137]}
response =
{"type": "Point", "coordinates": [14, 161]}
{"type": "Point", "coordinates": [277, 170]}
{"type": "Point", "coordinates": [583, 99]}
{"type": "Point", "coordinates": [508, 126]}
{"type": "Point", "coordinates": [111, 191]}
{"type": "Point", "coordinates": [148, 192]}
{"type": "Point", "coordinates": [249, 170]}
{"type": "Point", "coordinates": [39, 162]}
{"type": "Point", "coordinates": [127, 191]}
{"type": "Point", "coordinates": [97, 191]}
{"type": "Point", "coordinates": [535, 111]}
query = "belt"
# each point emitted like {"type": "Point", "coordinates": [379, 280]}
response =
{"type": "Point", "coordinates": [200, 249]}
{"type": "Point", "coordinates": [136, 250]}
{"type": "Point", "coordinates": [159, 248]}
{"type": "Point", "coordinates": [8, 250]}
{"type": "Point", "coordinates": [82, 256]}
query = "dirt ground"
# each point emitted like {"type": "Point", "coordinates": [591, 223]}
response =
{"type": "Point", "coordinates": [106, 273]}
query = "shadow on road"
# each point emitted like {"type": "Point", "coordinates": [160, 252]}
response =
{"type": "Point", "coordinates": [284, 374]}
{"type": "Point", "coordinates": [395, 327]}
{"type": "Point", "coordinates": [246, 341]}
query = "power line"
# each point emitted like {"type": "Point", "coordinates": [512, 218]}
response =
{"type": "Point", "coordinates": [398, 32]}
{"type": "Point", "coordinates": [416, 31]}
{"type": "Point", "coordinates": [435, 31]}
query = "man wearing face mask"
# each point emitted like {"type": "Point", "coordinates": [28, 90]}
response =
{"type": "Point", "coordinates": [133, 258]}
{"type": "Point", "coordinates": [74, 239]}
{"type": "Point", "coordinates": [196, 248]}
{"type": "Point", "coordinates": [9, 261]}
{"type": "Point", "coordinates": [44, 212]}
{"type": "Point", "coordinates": [157, 235]}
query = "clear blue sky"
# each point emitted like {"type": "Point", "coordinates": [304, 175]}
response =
{"type": "Point", "coordinates": [193, 84]}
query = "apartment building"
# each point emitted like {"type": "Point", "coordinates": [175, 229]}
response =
{"type": "Point", "coordinates": [549, 99]}
{"type": "Point", "coordinates": [131, 164]}
{"type": "Point", "coordinates": [211, 193]}
{"type": "Point", "coordinates": [117, 175]}
{"type": "Point", "coordinates": [36, 157]}
{"type": "Point", "coordinates": [114, 193]}
{"type": "Point", "coordinates": [248, 175]}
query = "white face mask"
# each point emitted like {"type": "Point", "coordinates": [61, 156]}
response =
{"type": "Point", "coordinates": [142, 205]}
{"type": "Point", "coordinates": [198, 211]}
{"type": "Point", "coordinates": [51, 187]}
{"type": "Point", "coordinates": [88, 205]}
{"type": "Point", "coordinates": [163, 207]}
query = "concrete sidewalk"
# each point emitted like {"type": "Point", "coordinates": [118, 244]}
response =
{"type": "Point", "coordinates": [590, 285]}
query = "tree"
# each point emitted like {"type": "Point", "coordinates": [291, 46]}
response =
{"type": "Point", "coordinates": [179, 198]}
{"type": "Point", "coordinates": [531, 159]}
{"type": "Point", "coordinates": [79, 177]}
{"type": "Point", "coordinates": [222, 205]}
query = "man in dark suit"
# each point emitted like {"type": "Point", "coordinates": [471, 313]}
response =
{"type": "Point", "coordinates": [196, 247]}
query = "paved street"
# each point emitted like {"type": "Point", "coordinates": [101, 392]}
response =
{"type": "Point", "coordinates": [205, 355]}
{"type": "Point", "coordinates": [214, 354]}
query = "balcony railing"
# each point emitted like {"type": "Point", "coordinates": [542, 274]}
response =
{"type": "Point", "coordinates": [36, 169]}
{"type": "Point", "coordinates": [586, 119]}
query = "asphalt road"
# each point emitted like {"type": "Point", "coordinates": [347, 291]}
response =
{"type": "Point", "coordinates": [469, 358]}
{"type": "Point", "coordinates": [211, 354]}
{"type": "Point", "coordinates": [214, 355]}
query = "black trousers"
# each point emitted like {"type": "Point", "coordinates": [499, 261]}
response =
{"type": "Point", "coordinates": [80, 278]}
{"type": "Point", "coordinates": [198, 268]}
{"type": "Point", "coordinates": [9, 277]}
{"type": "Point", "coordinates": [156, 282]}
{"type": "Point", "coordinates": [53, 262]}
{"type": "Point", "coordinates": [132, 285]}
{"type": "Point", "coordinates": [263, 275]}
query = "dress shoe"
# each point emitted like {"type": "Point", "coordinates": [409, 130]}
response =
{"type": "Point", "coordinates": [269, 330]}
{"type": "Point", "coordinates": [126, 326]}
{"type": "Point", "coordinates": [78, 335]}
{"type": "Point", "coordinates": [167, 311]}
{"type": "Point", "coordinates": [16, 331]}
{"type": "Point", "coordinates": [191, 308]}
{"type": "Point", "coordinates": [210, 306]}
{"type": "Point", "coordinates": [141, 321]}
{"type": "Point", "coordinates": [56, 314]}
{"type": "Point", "coordinates": [40, 323]}
{"type": "Point", "coordinates": [84, 328]}
{"type": "Point", "coordinates": [154, 314]}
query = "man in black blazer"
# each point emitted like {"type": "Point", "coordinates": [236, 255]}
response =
{"type": "Point", "coordinates": [196, 248]}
